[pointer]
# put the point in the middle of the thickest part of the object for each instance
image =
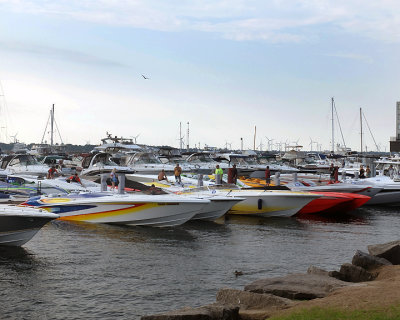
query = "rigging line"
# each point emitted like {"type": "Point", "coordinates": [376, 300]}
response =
{"type": "Point", "coordinates": [377, 148]}
{"type": "Point", "coordinates": [45, 129]}
{"type": "Point", "coordinates": [59, 134]}
{"type": "Point", "coordinates": [340, 127]}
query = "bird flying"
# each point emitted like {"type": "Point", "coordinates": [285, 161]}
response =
{"type": "Point", "coordinates": [144, 77]}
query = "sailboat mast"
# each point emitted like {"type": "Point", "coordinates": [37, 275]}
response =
{"type": "Point", "coordinates": [254, 143]}
{"type": "Point", "coordinates": [333, 129]}
{"type": "Point", "coordinates": [187, 142]}
{"type": "Point", "coordinates": [180, 136]}
{"type": "Point", "coordinates": [52, 125]}
{"type": "Point", "coordinates": [361, 130]}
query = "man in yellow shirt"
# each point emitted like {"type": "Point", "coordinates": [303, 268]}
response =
{"type": "Point", "coordinates": [218, 175]}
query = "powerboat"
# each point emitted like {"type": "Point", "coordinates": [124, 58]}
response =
{"type": "Point", "coordinates": [218, 206]}
{"type": "Point", "coordinates": [334, 202]}
{"type": "Point", "coordinates": [164, 210]}
{"type": "Point", "coordinates": [267, 203]}
{"type": "Point", "coordinates": [101, 163]}
{"type": "Point", "coordinates": [19, 224]}
{"type": "Point", "coordinates": [203, 162]}
{"type": "Point", "coordinates": [23, 164]}
{"type": "Point", "coordinates": [147, 163]}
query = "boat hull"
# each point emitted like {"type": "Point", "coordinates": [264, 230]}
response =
{"type": "Point", "coordinates": [17, 228]}
{"type": "Point", "coordinates": [272, 203]}
{"type": "Point", "coordinates": [156, 211]}
{"type": "Point", "coordinates": [216, 209]}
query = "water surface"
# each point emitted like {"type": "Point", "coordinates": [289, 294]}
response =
{"type": "Point", "coordinates": [93, 271]}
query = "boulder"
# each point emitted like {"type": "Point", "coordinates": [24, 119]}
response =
{"type": "Point", "coordinates": [297, 286]}
{"type": "Point", "coordinates": [209, 312]}
{"type": "Point", "coordinates": [253, 306]}
{"type": "Point", "coordinates": [390, 251]}
{"type": "Point", "coordinates": [367, 261]}
{"type": "Point", "coordinates": [251, 300]}
{"type": "Point", "coordinates": [318, 271]}
{"type": "Point", "coordinates": [351, 273]}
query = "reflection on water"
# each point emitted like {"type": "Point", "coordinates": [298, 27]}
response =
{"type": "Point", "coordinates": [75, 270]}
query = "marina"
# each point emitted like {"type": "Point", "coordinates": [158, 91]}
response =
{"type": "Point", "coordinates": [92, 271]}
{"type": "Point", "coordinates": [170, 160]}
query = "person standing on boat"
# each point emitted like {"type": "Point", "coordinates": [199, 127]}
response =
{"type": "Point", "coordinates": [114, 179]}
{"type": "Point", "coordinates": [267, 176]}
{"type": "Point", "coordinates": [332, 173]}
{"type": "Point", "coordinates": [234, 174]}
{"type": "Point", "coordinates": [391, 171]}
{"type": "Point", "coordinates": [162, 176]}
{"type": "Point", "coordinates": [362, 172]}
{"type": "Point", "coordinates": [218, 174]}
{"type": "Point", "coordinates": [368, 172]}
{"type": "Point", "coordinates": [177, 173]}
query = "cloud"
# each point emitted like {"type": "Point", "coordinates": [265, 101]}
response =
{"type": "Point", "coordinates": [272, 21]}
{"type": "Point", "coordinates": [57, 53]}
{"type": "Point", "coordinates": [352, 56]}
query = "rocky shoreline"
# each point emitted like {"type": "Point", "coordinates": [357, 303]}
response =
{"type": "Point", "coordinates": [266, 297]}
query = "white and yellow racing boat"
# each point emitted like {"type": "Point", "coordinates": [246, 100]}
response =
{"type": "Point", "coordinates": [128, 209]}
{"type": "Point", "coordinates": [268, 203]}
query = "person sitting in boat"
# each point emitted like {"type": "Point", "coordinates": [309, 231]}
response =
{"type": "Point", "coordinates": [52, 171]}
{"type": "Point", "coordinates": [162, 176]}
{"type": "Point", "coordinates": [362, 172]}
{"type": "Point", "coordinates": [114, 179]}
{"type": "Point", "coordinates": [74, 178]}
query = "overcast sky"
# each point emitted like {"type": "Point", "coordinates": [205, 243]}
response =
{"type": "Point", "coordinates": [223, 66]}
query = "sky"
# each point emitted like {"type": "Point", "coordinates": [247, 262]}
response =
{"type": "Point", "coordinates": [231, 69]}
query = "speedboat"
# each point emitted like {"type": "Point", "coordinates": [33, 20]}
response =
{"type": "Point", "coordinates": [267, 203]}
{"type": "Point", "coordinates": [100, 163]}
{"type": "Point", "coordinates": [23, 164]}
{"type": "Point", "coordinates": [218, 206]}
{"type": "Point", "coordinates": [164, 210]}
{"type": "Point", "coordinates": [334, 202]}
{"type": "Point", "coordinates": [147, 163]}
{"type": "Point", "coordinates": [19, 224]}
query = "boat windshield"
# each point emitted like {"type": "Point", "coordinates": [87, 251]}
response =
{"type": "Point", "coordinates": [104, 159]}
{"type": "Point", "coordinates": [200, 158]}
{"type": "Point", "coordinates": [239, 161]}
{"type": "Point", "coordinates": [24, 160]}
{"type": "Point", "coordinates": [146, 159]}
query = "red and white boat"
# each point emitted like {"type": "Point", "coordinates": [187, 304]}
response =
{"type": "Point", "coordinates": [334, 202]}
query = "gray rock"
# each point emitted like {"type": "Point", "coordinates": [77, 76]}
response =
{"type": "Point", "coordinates": [390, 251]}
{"type": "Point", "coordinates": [318, 271]}
{"type": "Point", "coordinates": [208, 312]}
{"type": "Point", "coordinates": [247, 300]}
{"type": "Point", "coordinates": [297, 286]}
{"type": "Point", "coordinates": [367, 261]}
{"type": "Point", "coordinates": [351, 273]}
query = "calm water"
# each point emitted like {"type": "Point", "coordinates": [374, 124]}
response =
{"type": "Point", "coordinates": [85, 271]}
